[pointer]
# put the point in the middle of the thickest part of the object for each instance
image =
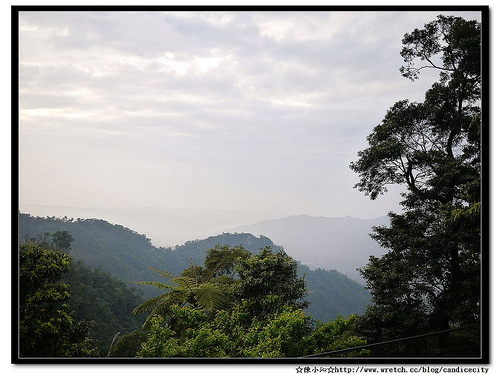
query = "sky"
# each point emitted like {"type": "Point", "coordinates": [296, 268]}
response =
{"type": "Point", "coordinates": [244, 111]}
{"type": "Point", "coordinates": [248, 111]}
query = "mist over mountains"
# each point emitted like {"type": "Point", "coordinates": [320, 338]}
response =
{"type": "Point", "coordinates": [126, 255]}
{"type": "Point", "coordinates": [341, 244]}
{"type": "Point", "coordinates": [166, 227]}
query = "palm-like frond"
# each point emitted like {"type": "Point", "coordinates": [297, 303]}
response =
{"type": "Point", "coordinates": [227, 280]}
{"type": "Point", "coordinates": [161, 273]}
{"type": "Point", "coordinates": [207, 294]}
{"type": "Point", "coordinates": [159, 285]}
{"type": "Point", "coordinates": [150, 304]}
{"type": "Point", "coordinates": [214, 270]}
{"type": "Point", "coordinates": [186, 282]}
{"type": "Point", "coordinates": [162, 310]}
{"type": "Point", "coordinates": [160, 305]}
{"type": "Point", "coordinates": [210, 296]}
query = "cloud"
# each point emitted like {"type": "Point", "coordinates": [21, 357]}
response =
{"type": "Point", "coordinates": [213, 109]}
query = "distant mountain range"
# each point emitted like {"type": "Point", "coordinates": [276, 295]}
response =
{"type": "Point", "coordinates": [341, 244]}
{"type": "Point", "coordinates": [126, 254]}
{"type": "Point", "coordinates": [166, 227]}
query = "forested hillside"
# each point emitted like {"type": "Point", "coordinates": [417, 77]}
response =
{"type": "Point", "coordinates": [120, 251]}
{"type": "Point", "coordinates": [343, 244]}
{"type": "Point", "coordinates": [105, 301]}
{"type": "Point", "coordinates": [127, 255]}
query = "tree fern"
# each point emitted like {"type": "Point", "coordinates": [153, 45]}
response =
{"type": "Point", "coordinates": [210, 296]}
{"type": "Point", "coordinates": [207, 293]}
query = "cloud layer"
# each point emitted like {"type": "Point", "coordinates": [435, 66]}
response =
{"type": "Point", "coordinates": [234, 110]}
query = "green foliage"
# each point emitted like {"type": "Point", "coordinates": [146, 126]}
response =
{"type": "Point", "coordinates": [206, 292]}
{"type": "Point", "coordinates": [268, 274]}
{"type": "Point", "coordinates": [127, 255]}
{"type": "Point", "coordinates": [264, 319]}
{"type": "Point", "coordinates": [161, 341]}
{"type": "Point", "coordinates": [265, 281]}
{"type": "Point", "coordinates": [47, 326]}
{"type": "Point", "coordinates": [107, 302]}
{"type": "Point", "coordinates": [429, 280]}
{"type": "Point", "coordinates": [225, 336]}
{"type": "Point", "coordinates": [337, 335]}
{"type": "Point", "coordinates": [285, 333]}
{"type": "Point", "coordinates": [62, 240]}
{"type": "Point", "coordinates": [280, 335]}
{"type": "Point", "coordinates": [459, 43]}
{"type": "Point", "coordinates": [223, 259]}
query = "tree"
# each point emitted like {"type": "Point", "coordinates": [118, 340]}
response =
{"type": "Point", "coordinates": [268, 280]}
{"type": "Point", "coordinates": [287, 332]}
{"type": "Point", "coordinates": [62, 240]}
{"type": "Point", "coordinates": [191, 288]}
{"type": "Point", "coordinates": [98, 297]}
{"type": "Point", "coordinates": [336, 335]}
{"type": "Point", "coordinates": [224, 259]}
{"type": "Point", "coordinates": [429, 280]}
{"type": "Point", "coordinates": [209, 288]}
{"type": "Point", "coordinates": [263, 318]}
{"type": "Point", "coordinates": [47, 327]}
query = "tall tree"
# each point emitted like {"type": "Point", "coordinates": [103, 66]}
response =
{"type": "Point", "coordinates": [224, 259]}
{"type": "Point", "coordinates": [268, 280]}
{"type": "Point", "coordinates": [47, 327]}
{"type": "Point", "coordinates": [429, 280]}
{"type": "Point", "coordinates": [62, 240]}
{"type": "Point", "coordinates": [191, 288]}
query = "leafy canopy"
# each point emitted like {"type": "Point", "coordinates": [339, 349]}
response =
{"type": "Point", "coordinates": [429, 279]}
{"type": "Point", "coordinates": [264, 318]}
{"type": "Point", "coordinates": [47, 326]}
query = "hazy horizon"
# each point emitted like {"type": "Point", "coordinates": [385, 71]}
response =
{"type": "Point", "coordinates": [167, 227]}
{"type": "Point", "coordinates": [238, 111]}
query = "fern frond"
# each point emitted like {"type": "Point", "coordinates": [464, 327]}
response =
{"type": "Point", "coordinates": [146, 326]}
{"type": "Point", "coordinates": [185, 282]}
{"type": "Point", "coordinates": [161, 273]}
{"type": "Point", "coordinates": [150, 304]}
{"type": "Point", "coordinates": [163, 311]}
{"type": "Point", "coordinates": [159, 285]}
{"type": "Point", "coordinates": [226, 280]}
{"type": "Point", "coordinates": [210, 297]}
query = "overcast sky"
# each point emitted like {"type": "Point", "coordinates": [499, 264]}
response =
{"type": "Point", "coordinates": [257, 111]}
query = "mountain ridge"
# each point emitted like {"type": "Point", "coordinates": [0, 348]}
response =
{"type": "Point", "coordinates": [312, 239]}
{"type": "Point", "coordinates": [342, 244]}
{"type": "Point", "coordinates": [166, 227]}
{"type": "Point", "coordinates": [126, 255]}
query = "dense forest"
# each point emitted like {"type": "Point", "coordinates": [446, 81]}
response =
{"type": "Point", "coordinates": [224, 308]}
{"type": "Point", "coordinates": [127, 255]}
{"type": "Point", "coordinates": [105, 301]}
{"type": "Point", "coordinates": [237, 295]}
